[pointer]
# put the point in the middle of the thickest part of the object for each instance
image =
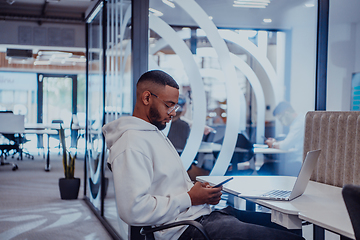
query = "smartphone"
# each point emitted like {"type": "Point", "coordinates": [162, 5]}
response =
{"type": "Point", "coordinates": [223, 182]}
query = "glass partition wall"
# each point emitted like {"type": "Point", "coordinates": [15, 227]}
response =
{"type": "Point", "coordinates": [118, 94]}
{"type": "Point", "coordinates": [109, 96]}
{"type": "Point", "coordinates": [234, 63]}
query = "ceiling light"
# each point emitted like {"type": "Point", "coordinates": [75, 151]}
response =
{"type": "Point", "coordinates": [249, 6]}
{"type": "Point", "coordinates": [155, 12]}
{"type": "Point", "coordinates": [267, 20]}
{"type": "Point", "coordinates": [309, 5]}
{"type": "Point", "coordinates": [170, 4]}
{"type": "Point", "coordinates": [211, 17]}
{"type": "Point", "coordinates": [251, 3]}
{"type": "Point", "coordinates": [37, 62]}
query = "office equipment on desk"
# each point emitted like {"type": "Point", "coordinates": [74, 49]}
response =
{"type": "Point", "coordinates": [298, 188]}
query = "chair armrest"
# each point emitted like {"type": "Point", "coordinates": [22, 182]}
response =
{"type": "Point", "coordinates": [197, 225]}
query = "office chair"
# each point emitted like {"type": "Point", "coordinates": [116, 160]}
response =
{"type": "Point", "coordinates": [351, 195]}
{"type": "Point", "coordinates": [246, 154]}
{"type": "Point", "coordinates": [18, 140]}
{"type": "Point", "coordinates": [11, 127]}
{"type": "Point", "coordinates": [4, 151]}
{"type": "Point", "coordinates": [147, 233]}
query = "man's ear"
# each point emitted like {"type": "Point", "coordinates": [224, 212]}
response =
{"type": "Point", "coordinates": [146, 98]}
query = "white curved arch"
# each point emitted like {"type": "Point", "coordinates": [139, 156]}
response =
{"type": "Point", "coordinates": [255, 84]}
{"type": "Point", "coordinates": [161, 43]}
{"type": "Point", "coordinates": [242, 66]}
{"type": "Point", "coordinates": [190, 66]}
{"type": "Point", "coordinates": [233, 115]}
{"type": "Point", "coordinates": [259, 55]}
{"type": "Point", "coordinates": [258, 92]}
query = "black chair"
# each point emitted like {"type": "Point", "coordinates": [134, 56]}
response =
{"type": "Point", "coordinates": [351, 195]}
{"type": "Point", "coordinates": [4, 149]}
{"type": "Point", "coordinates": [244, 153]}
{"type": "Point", "coordinates": [147, 233]}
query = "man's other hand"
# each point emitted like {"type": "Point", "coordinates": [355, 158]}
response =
{"type": "Point", "coordinates": [202, 193]}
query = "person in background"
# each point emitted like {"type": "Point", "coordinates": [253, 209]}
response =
{"type": "Point", "coordinates": [151, 184]}
{"type": "Point", "coordinates": [179, 129]}
{"type": "Point", "coordinates": [293, 141]}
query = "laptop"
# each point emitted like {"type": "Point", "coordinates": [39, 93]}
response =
{"type": "Point", "coordinates": [299, 186]}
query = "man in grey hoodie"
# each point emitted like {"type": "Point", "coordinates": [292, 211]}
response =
{"type": "Point", "coordinates": [151, 184]}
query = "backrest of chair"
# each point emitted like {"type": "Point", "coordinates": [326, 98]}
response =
{"type": "Point", "coordinates": [11, 123]}
{"type": "Point", "coordinates": [337, 134]}
{"type": "Point", "coordinates": [351, 195]}
{"type": "Point", "coordinates": [57, 121]}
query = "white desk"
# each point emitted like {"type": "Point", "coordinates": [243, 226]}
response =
{"type": "Point", "coordinates": [209, 147]}
{"type": "Point", "coordinates": [321, 204]}
{"type": "Point", "coordinates": [47, 132]}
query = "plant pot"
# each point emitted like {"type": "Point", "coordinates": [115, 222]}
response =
{"type": "Point", "coordinates": [69, 188]}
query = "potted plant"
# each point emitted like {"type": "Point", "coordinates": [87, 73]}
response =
{"type": "Point", "coordinates": [69, 185]}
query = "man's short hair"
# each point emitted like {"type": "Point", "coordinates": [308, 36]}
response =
{"type": "Point", "coordinates": [158, 77]}
{"type": "Point", "coordinates": [282, 107]}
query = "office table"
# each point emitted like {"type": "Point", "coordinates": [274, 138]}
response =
{"type": "Point", "coordinates": [321, 204]}
{"type": "Point", "coordinates": [42, 132]}
{"type": "Point", "coordinates": [210, 148]}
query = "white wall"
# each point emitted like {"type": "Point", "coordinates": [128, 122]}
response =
{"type": "Point", "coordinates": [357, 48]}
{"type": "Point", "coordinates": [303, 62]}
{"type": "Point", "coordinates": [343, 56]}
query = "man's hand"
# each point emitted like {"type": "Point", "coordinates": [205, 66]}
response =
{"type": "Point", "coordinates": [208, 130]}
{"type": "Point", "coordinates": [202, 193]}
{"type": "Point", "coordinates": [271, 142]}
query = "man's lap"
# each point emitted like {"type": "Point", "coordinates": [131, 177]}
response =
{"type": "Point", "coordinates": [223, 224]}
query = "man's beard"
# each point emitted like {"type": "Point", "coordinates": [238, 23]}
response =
{"type": "Point", "coordinates": [154, 118]}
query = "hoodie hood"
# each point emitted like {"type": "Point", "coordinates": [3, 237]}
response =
{"type": "Point", "coordinates": [115, 129]}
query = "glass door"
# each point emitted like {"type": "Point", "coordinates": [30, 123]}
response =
{"type": "Point", "coordinates": [57, 96]}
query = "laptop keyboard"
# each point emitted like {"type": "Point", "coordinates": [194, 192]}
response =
{"type": "Point", "coordinates": [277, 194]}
